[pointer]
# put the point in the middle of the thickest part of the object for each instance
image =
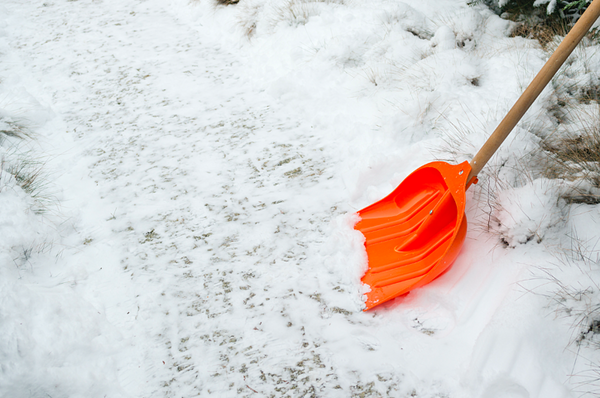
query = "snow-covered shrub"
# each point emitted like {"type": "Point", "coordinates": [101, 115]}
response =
{"type": "Point", "coordinates": [571, 150]}
{"type": "Point", "coordinates": [542, 20]}
{"type": "Point", "coordinates": [569, 9]}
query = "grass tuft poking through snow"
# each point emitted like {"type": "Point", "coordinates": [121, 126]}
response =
{"type": "Point", "coordinates": [12, 129]}
{"type": "Point", "coordinates": [226, 2]}
{"type": "Point", "coordinates": [574, 155]}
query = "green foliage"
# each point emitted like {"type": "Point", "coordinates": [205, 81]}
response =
{"type": "Point", "coordinates": [578, 5]}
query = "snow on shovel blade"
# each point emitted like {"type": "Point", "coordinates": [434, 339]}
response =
{"type": "Point", "coordinates": [414, 234]}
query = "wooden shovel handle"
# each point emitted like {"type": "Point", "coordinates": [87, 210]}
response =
{"type": "Point", "coordinates": [534, 89]}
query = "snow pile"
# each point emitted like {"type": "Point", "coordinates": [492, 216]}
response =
{"type": "Point", "coordinates": [528, 213]}
{"type": "Point", "coordinates": [209, 161]}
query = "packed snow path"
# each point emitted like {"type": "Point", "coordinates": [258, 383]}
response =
{"type": "Point", "coordinates": [198, 175]}
{"type": "Point", "coordinates": [211, 253]}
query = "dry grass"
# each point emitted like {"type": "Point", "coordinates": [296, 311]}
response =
{"type": "Point", "coordinates": [30, 177]}
{"type": "Point", "coordinates": [572, 151]}
{"type": "Point", "coordinates": [579, 300]}
{"type": "Point", "coordinates": [249, 16]}
{"type": "Point", "coordinates": [534, 23]}
{"type": "Point", "coordinates": [27, 176]}
{"type": "Point", "coordinates": [545, 33]}
{"type": "Point", "coordinates": [11, 129]}
{"type": "Point", "coordinates": [299, 12]}
{"type": "Point", "coordinates": [17, 166]}
{"type": "Point", "coordinates": [574, 154]}
{"type": "Point", "coordinates": [226, 2]}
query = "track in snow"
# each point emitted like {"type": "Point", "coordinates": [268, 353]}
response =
{"type": "Point", "coordinates": [207, 189]}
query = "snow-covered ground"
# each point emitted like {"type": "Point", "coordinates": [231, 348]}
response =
{"type": "Point", "coordinates": [191, 231]}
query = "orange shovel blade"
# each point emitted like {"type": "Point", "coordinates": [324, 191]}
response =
{"type": "Point", "coordinates": [414, 234]}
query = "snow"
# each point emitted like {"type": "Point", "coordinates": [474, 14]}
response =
{"type": "Point", "coordinates": [202, 167]}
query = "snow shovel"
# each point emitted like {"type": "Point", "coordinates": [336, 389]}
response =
{"type": "Point", "coordinates": [415, 233]}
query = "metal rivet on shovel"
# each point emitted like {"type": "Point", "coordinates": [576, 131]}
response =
{"type": "Point", "coordinates": [407, 249]}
